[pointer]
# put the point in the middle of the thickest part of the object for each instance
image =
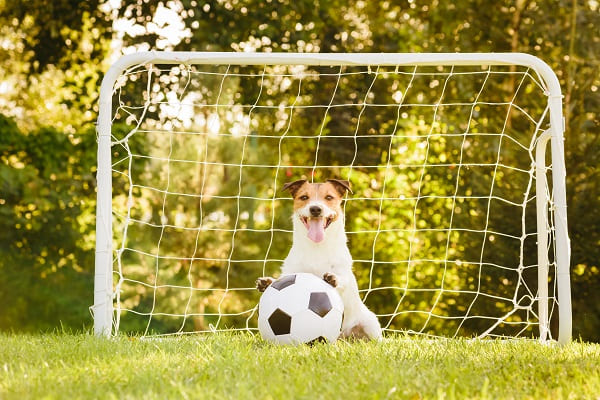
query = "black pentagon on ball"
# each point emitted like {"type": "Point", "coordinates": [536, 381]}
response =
{"type": "Point", "coordinates": [284, 282]}
{"type": "Point", "coordinates": [319, 303]}
{"type": "Point", "coordinates": [280, 322]}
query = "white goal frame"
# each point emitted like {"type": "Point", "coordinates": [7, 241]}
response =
{"type": "Point", "coordinates": [103, 310]}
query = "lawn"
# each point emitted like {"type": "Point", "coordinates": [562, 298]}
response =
{"type": "Point", "coordinates": [242, 366]}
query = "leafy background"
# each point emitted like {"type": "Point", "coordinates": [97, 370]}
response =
{"type": "Point", "coordinates": [54, 55]}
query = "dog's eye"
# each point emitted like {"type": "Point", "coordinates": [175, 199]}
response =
{"type": "Point", "coordinates": [304, 197]}
{"type": "Point", "coordinates": [329, 197]}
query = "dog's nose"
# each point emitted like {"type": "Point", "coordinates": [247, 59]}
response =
{"type": "Point", "coordinates": [315, 211]}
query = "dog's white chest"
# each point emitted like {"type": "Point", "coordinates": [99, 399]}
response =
{"type": "Point", "coordinates": [317, 259]}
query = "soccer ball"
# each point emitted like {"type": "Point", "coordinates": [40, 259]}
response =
{"type": "Point", "coordinates": [300, 308]}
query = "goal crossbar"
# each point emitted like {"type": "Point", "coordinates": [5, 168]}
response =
{"type": "Point", "coordinates": [102, 309]}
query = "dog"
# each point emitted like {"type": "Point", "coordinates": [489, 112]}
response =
{"type": "Point", "coordinates": [320, 247]}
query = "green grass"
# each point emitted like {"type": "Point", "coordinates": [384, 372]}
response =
{"type": "Point", "coordinates": [240, 366]}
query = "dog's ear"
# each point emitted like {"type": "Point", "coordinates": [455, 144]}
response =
{"type": "Point", "coordinates": [293, 186]}
{"type": "Point", "coordinates": [341, 186]}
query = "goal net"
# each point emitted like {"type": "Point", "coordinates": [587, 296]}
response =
{"type": "Point", "coordinates": [457, 223]}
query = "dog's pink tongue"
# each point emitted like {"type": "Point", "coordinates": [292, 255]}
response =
{"type": "Point", "coordinates": [316, 229]}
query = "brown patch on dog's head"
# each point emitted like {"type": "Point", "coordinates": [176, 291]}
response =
{"type": "Point", "coordinates": [342, 186]}
{"type": "Point", "coordinates": [330, 192]}
{"type": "Point", "coordinates": [293, 186]}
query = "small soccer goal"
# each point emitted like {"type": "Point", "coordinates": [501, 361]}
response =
{"type": "Point", "coordinates": [457, 223]}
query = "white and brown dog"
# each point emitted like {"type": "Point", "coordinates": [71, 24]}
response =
{"type": "Point", "coordinates": [319, 247]}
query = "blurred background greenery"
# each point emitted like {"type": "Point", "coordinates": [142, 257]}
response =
{"type": "Point", "coordinates": [54, 56]}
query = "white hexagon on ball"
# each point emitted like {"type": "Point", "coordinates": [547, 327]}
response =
{"type": "Point", "coordinates": [300, 308]}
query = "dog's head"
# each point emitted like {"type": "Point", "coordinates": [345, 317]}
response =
{"type": "Point", "coordinates": [317, 205]}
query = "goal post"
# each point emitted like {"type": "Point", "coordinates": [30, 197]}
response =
{"type": "Point", "coordinates": [423, 155]}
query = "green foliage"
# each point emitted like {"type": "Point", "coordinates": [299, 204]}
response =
{"type": "Point", "coordinates": [52, 69]}
{"type": "Point", "coordinates": [47, 214]}
{"type": "Point", "coordinates": [53, 29]}
{"type": "Point", "coordinates": [53, 60]}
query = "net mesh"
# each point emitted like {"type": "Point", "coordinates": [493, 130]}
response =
{"type": "Point", "coordinates": [441, 225]}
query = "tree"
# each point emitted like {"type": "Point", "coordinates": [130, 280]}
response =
{"type": "Point", "coordinates": [54, 71]}
{"type": "Point", "coordinates": [53, 65]}
{"type": "Point", "coordinates": [46, 255]}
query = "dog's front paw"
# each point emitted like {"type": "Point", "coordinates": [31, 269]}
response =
{"type": "Point", "coordinates": [330, 278]}
{"type": "Point", "coordinates": [263, 283]}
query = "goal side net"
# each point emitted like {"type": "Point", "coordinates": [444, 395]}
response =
{"type": "Point", "coordinates": [457, 222]}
